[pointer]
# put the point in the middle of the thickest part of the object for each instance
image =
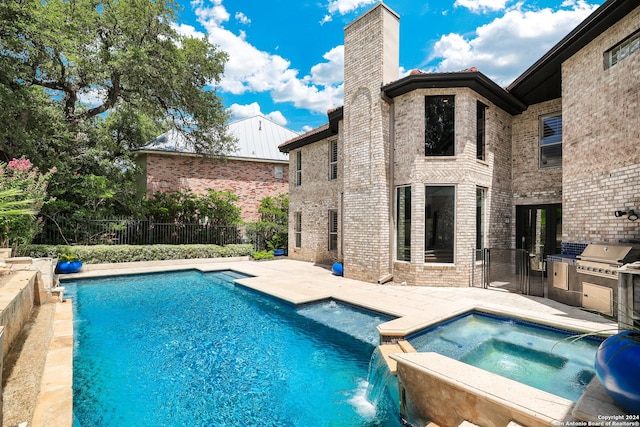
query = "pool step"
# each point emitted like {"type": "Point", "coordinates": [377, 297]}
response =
{"type": "Point", "coordinates": [401, 346]}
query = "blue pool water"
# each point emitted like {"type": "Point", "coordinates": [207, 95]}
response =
{"type": "Point", "coordinates": [535, 355]}
{"type": "Point", "coordinates": [192, 349]}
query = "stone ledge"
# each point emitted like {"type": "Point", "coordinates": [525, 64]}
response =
{"type": "Point", "coordinates": [437, 387]}
{"type": "Point", "coordinates": [594, 403]}
{"type": "Point", "coordinates": [54, 406]}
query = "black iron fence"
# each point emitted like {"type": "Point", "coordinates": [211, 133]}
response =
{"type": "Point", "coordinates": [126, 231]}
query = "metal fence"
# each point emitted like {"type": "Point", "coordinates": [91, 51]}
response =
{"type": "Point", "coordinates": [126, 231]}
{"type": "Point", "coordinates": [507, 269]}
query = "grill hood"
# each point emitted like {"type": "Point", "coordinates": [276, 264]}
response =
{"type": "Point", "coordinates": [610, 254]}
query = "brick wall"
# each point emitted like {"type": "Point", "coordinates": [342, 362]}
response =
{"type": "Point", "coordinates": [313, 199]}
{"type": "Point", "coordinates": [250, 181]}
{"type": "Point", "coordinates": [532, 185]}
{"type": "Point", "coordinates": [601, 140]}
{"type": "Point", "coordinates": [463, 171]}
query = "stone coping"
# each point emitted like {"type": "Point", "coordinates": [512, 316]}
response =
{"type": "Point", "coordinates": [408, 325]}
{"type": "Point", "coordinates": [595, 404]}
{"type": "Point", "coordinates": [54, 406]}
{"type": "Point", "coordinates": [490, 399]}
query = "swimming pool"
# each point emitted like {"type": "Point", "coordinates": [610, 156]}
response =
{"type": "Point", "coordinates": [532, 354]}
{"type": "Point", "coordinates": [191, 348]}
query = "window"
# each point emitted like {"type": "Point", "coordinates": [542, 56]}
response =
{"type": "Point", "coordinates": [333, 230]}
{"type": "Point", "coordinates": [278, 172]}
{"type": "Point", "coordinates": [439, 131]}
{"type": "Point", "coordinates": [481, 195]}
{"type": "Point", "coordinates": [298, 229]}
{"type": "Point", "coordinates": [622, 50]}
{"type": "Point", "coordinates": [298, 168]}
{"type": "Point", "coordinates": [333, 159]}
{"type": "Point", "coordinates": [481, 113]}
{"type": "Point", "coordinates": [439, 224]}
{"type": "Point", "coordinates": [403, 223]}
{"type": "Point", "coordinates": [551, 141]}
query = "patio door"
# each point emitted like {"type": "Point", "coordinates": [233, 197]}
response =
{"type": "Point", "coordinates": [539, 232]}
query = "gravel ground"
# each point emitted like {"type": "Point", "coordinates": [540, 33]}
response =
{"type": "Point", "coordinates": [23, 367]}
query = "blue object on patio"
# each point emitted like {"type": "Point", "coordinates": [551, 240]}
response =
{"type": "Point", "coordinates": [337, 269]}
{"type": "Point", "coordinates": [68, 267]}
{"type": "Point", "coordinates": [618, 369]}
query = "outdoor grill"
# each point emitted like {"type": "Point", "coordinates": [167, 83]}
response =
{"type": "Point", "coordinates": [604, 260]}
{"type": "Point", "coordinates": [597, 269]}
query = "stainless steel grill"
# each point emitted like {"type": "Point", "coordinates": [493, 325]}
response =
{"type": "Point", "coordinates": [604, 260]}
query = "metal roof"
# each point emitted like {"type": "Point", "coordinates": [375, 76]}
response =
{"type": "Point", "coordinates": [257, 137]}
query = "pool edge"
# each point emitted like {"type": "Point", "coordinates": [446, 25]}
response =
{"type": "Point", "coordinates": [54, 404]}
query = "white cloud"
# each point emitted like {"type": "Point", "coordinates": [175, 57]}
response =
{"type": "Point", "coordinates": [477, 6]}
{"type": "Point", "coordinates": [188, 31]}
{"type": "Point", "coordinates": [238, 112]}
{"type": "Point", "coordinates": [249, 69]}
{"type": "Point", "coordinates": [242, 18]}
{"type": "Point", "coordinates": [92, 97]}
{"type": "Point", "coordinates": [216, 14]}
{"type": "Point", "coordinates": [331, 72]}
{"type": "Point", "coordinates": [345, 6]}
{"type": "Point", "coordinates": [503, 48]}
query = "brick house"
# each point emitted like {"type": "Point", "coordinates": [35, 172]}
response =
{"type": "Point", "coordinates": [257, 169]}
{"type": "Point", "coordinates": [412, 176]}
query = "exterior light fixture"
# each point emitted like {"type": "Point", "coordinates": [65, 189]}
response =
{"type": "Point", "coordinates": [631, 214]}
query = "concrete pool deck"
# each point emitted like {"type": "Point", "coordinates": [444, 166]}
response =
{"type": "Point", "coordinates": [301, 282]}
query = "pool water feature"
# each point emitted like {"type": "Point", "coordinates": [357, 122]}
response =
{"type": "Point", "coordinates": [536, 355]}
{"type": "Point", "coordinates": [191, 348]}
{"type": "Point", "coordinates": [360, 324]}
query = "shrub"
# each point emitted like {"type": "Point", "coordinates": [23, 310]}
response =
{"type": "Point", "coordinates": [100, 254]}
{"type": "Point", "coordinates": [262, 255]}
{"type": "Point", "coordinates": [273, 227]}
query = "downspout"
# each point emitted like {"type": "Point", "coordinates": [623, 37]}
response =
{"type": "Point", "coordinates": [388, 277]}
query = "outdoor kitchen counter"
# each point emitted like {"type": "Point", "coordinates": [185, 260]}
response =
{"type": "Point", "coordinates": [563, 284]}
{"type": "Point", "coordinates": [629, 293]}
{"type": "Point", "coordinates": [568, 258]}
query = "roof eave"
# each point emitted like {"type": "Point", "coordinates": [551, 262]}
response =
{"type": "Point", "coordinates": [331, 129]}
{"type": "Point", "coordinates": [542, 81]}
{"type": "Point", "coordinates": [474, 80]}
{"type": "Point", "coordinates": [227, 157]}
{"type": "Point", "coordinates": [318, 136]}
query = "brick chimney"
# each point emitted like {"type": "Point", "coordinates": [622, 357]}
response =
{"type": "Point", "coordinates": [371, 59]}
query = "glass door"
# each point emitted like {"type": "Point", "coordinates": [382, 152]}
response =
{"type": "Point", "coordinates": [539, 232]}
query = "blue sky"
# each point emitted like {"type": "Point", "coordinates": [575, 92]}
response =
{"type": "Point", "coordinates": [286, 56]}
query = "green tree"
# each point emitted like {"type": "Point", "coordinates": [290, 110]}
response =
{"type": "Point", "coordinates": [217, 208]}
{"type": "Point", "coordinates": [273, 228]}
{"type": "Point", "coordinates": [23, 191]}
{"type": "Point", "coordinates": [85, 82]}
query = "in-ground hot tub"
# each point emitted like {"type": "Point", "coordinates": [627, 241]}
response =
{"type": "Point", "coordinates": [490, 370]}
